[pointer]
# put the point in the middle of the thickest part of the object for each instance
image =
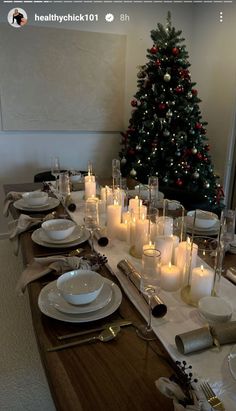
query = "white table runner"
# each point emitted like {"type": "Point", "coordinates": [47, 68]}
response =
{"type": "Point", "coordinates": [210, 365]}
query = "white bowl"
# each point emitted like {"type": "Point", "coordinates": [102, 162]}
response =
{"type": "Point", "coordinates": [204, 219]}
{"type": "Point", "coordinates": [215, 309]}
{"type": "Point", "coordinates": [75, 178]}
{"type": "Point", "coordinates": [80, 287]}
{"type": "Point", "coordinates": [58, 229]}
{"type": "Point", "coordinates": [35, 198]}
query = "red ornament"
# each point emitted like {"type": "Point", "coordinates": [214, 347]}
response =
{"type": "Point", "coordinates": [131, 152]}
{"type": "Point", "coordinates": [199, 156]}
{"type": "Point", "coordinates": [184, 73]}
{"type": "Point", "coordinates": [198, 126]}
{"type": "Point", "coordinates": [154, 50]}
{"type": "Point", "coordinates": [179, 182]}
{"type": "Point", "coordinates": [175, 51]}
{"type": "Point", "coordinates": [207, 147]}
{"type": "Point", "coordinates": [158, 63]}
{"type": "Point", "coordinates": [220, 194]}
{"type": "Point", "coordinates": [133, 103]}
{"type": "Point", "coordinates": [194, 92]}
{"type": "Point", "coordinates": [179, 89]}
{"type": "Point", "coordinates": [162, 106]}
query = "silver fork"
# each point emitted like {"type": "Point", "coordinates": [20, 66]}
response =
{"type": "Point", "coordinates": [213, 400]}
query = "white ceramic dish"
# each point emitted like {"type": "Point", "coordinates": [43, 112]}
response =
{"type": "Point", "coordinates": [58, 229]}
{"type": "Point", "coordinates": [37, 238]}
{"type": "Point", "coordinates": [203, 231]}
{"type": "Point", "coordinates": [80, 287]}
{"type": "Point", "coordinates": [75, 235]}
{"type": "Point", "coordinates": [144, 194]}
{"type": "Point", "coordinates": [232, 361]}
{"type": "Point", "coordinates": [75, 178]}
{"type": "Point", "coordinates": [62, 305]}
{"type": "Point", "coordinates": [51, 203]}
{"type": "Point", "coordinates": [204, 219]}
{"type": "Point", "coordinates": [47, 308]}
{"type": "Point", "coordinates": [215, 309]}
{"type": "Point", "coordinates": [35, 198]}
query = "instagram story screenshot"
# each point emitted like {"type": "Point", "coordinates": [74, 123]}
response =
{"type": "Point", "coordinates": [118, 198]}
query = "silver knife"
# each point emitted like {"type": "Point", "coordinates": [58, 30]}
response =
{"type": "Point", "coordinates": [121, 323]}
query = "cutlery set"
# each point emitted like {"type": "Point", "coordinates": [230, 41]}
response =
{"type": "Point", "coordinates": [108, 332]}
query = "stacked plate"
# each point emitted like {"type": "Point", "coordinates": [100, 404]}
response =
{"type": "Point", "coordinates": [78, 236]}
{"type": "Point", "coordinates": [52, 304]}
{"type": "Point", "coordinates": [51, 203]}
{"type": "Point", "coordinates": [213, 230]}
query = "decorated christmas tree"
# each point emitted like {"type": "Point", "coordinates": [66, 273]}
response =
{"type": "Point", "coordinates": [166, 136]}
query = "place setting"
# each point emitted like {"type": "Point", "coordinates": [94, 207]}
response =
{"type": "Point", "coordinates": [60, 233]}
{"type": "Point", "coordinates": [79, 296]}
{"type": "Point", "coordinates": [36, 201]}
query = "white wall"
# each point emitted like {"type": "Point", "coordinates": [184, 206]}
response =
{"type": "Point", "coordinates": [24, 154]}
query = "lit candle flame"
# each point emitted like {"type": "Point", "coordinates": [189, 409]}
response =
{"type": "Point", "coordinates": [170, 265]}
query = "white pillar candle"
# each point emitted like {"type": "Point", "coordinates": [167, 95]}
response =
{"type": "Point", "coordinates": [183, 257]}
{"type": "Point", "coordinates": [164, 225]}
{"type": "Point", "coordinates": [122, 231]}
{"type": "Point", "coordinates": [126, 216]}
{"type": "Point", "coordinates": [149, 246]}
{"type": "Point", "coordinates": [113, 219]}
{"type": "Point", "coordinates": [170, 277]}
{"type": "Point", "coordinates": [134, 205]}
{"type": "Point", "coordinates": [164, 244]}
{"type": "Point", "coordinates": [175, 240]}
{"type": "Point", "coordinates": [90, 187]}
{"type": "Point", "coordinates": [141, 234]}
{"type": "Point", "coordinates": [201, 282]}
{"type": "Point", "coordinates": [132, 228]}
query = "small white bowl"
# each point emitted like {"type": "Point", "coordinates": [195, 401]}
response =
{"type": "Point", "coordinates": [204, 219]}
{"type": "Point", "coordinates": [215, 309]}
{"type": "Point", "coordinates": [79, 287]}
{"type": "Point", "coordinates": [35, 198]}
{"type": "Point", "coordinates": [75, 178]}
{"type": "Point", "coordinates": [58, 229]}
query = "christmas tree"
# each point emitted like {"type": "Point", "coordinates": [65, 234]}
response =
{"type": "Point", "coordinates": [166, 136]}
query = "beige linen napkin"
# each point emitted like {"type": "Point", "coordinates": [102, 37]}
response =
{"type": "Point", "coordinates": [9, 199]}
{"type": "Point", "coordinates": [24, 223]}
{"type": "Point", "coordinates": [42, 266]}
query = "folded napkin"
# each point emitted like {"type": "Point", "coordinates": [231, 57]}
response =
{"type": "Point", "coordinates": [24, 223]}
{"type": "Point", "coordinates": [172, 390]}
{"type": "Point", "coordinates": [9, 199]}
{"type": "Point", "coordinates": [42, 266]}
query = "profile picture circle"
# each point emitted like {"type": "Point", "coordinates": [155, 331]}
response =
{"type": "Point", "coordinates": [17, 18]}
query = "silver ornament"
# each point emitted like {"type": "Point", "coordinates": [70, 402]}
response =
{"type": "Point", "coordinates": [167, 77]}
{"type": "Point", "coordinates": [194, 150]}
{"type": "Point", "coordinates": [169, 114]}
{"type": "Point", "coordinates": [196, 175]}
{"type": "Point", "coordinates": [123, 160]}
{"type": "Point", "coordinates": [166, 133]}
{"type": "Point", "coordinates": [133, 172]}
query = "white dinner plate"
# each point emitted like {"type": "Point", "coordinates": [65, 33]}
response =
{"type": "Point", "coordinates": [57, 300]}
{"type": "Point", "coordinates": [204, 231]}
{"type": "Point", "coordinates": [47, 308]}
{"type": "Point", "coordinates": [232, 362]}
{"type": "Point", "coordinates": [22, 205]}
{"type": "Point", "coordinates": [36, 237]}
{"type": "Point", "coordinates": [75, 235]}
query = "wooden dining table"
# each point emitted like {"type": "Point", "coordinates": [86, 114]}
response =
{"type": "Point", "coordinates": [117, 375]}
